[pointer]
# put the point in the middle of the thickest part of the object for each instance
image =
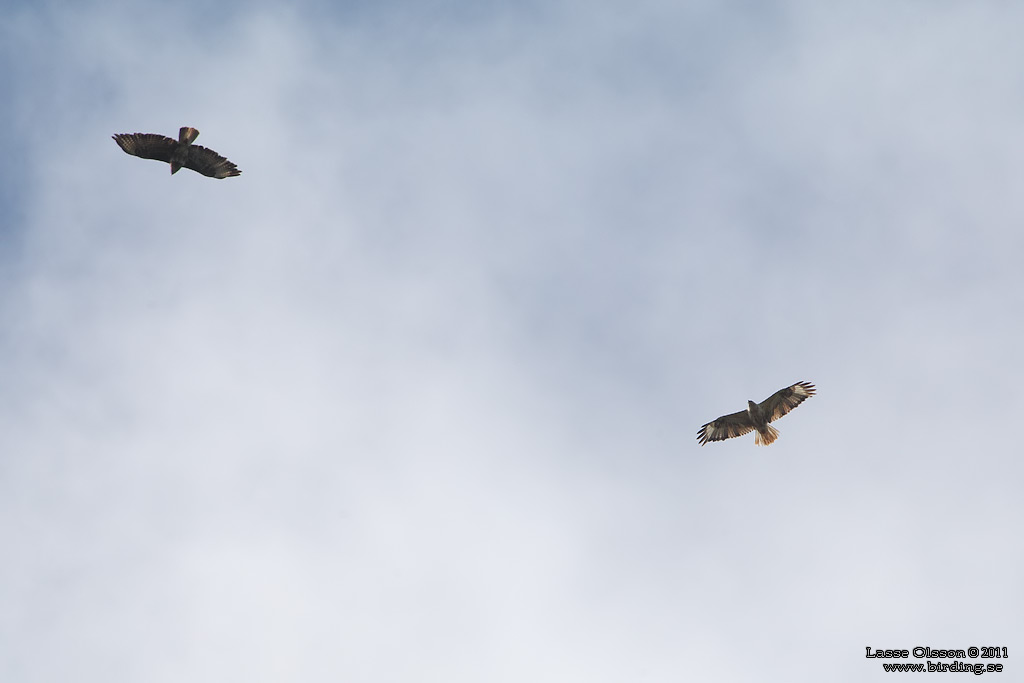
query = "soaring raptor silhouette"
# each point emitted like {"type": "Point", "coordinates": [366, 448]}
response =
{"type": "Point", "coordinates": [180, 153]}
{"type": "Point", "coordinates": [757, 416]}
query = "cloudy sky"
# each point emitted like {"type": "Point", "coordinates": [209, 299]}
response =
{"type": "Point", "coordinates": [415, 397]}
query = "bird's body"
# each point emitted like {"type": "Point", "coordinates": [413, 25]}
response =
{"type": "Point", "coordinates": [180, 153]}
{"type": "Point", "coordinates": [765, 433]}
{"type": "Point", "coordinates": [757, 416]}
{"type": "Point", "coordinates": [179, 157]}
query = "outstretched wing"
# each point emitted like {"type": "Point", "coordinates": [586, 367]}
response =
{"type": "Point", "coordinates": [784, 400]}
{"type": "Point", "coordinates": [726, 427]}
{"type": "Point", "coordinates": [147, 145]}
{"type": "Point", "coordinates": [209, 163]}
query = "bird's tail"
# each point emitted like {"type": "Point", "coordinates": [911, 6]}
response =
{"type": "Point", "coordinates": [186, 135]}
{"type": "Point", "coordinates": [767, 437]}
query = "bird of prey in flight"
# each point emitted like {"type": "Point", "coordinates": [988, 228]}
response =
{"type": "Point", "coordinates": [180, 153]}
{"type": "Point", "coordinates": [757, 416]}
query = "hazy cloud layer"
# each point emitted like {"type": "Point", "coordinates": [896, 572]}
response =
{"type": "Point", "coordinates": [415, 397]}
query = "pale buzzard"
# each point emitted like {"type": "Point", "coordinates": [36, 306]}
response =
{"type": "Point", "coordinates": [180, 153]}
{"type": "Point", "coordinates": [757, 416]}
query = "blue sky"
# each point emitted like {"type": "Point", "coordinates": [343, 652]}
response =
{"type": "Point", "coordinates": [415, 397]}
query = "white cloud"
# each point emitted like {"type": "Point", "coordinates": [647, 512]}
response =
{"type": "Point", "coordinates": [416, 395]}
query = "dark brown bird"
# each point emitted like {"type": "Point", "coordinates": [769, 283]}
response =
{"type": "Point", "coordinates": [757, 416]}
{"type": "Point", "coordinates": [180, 153]}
